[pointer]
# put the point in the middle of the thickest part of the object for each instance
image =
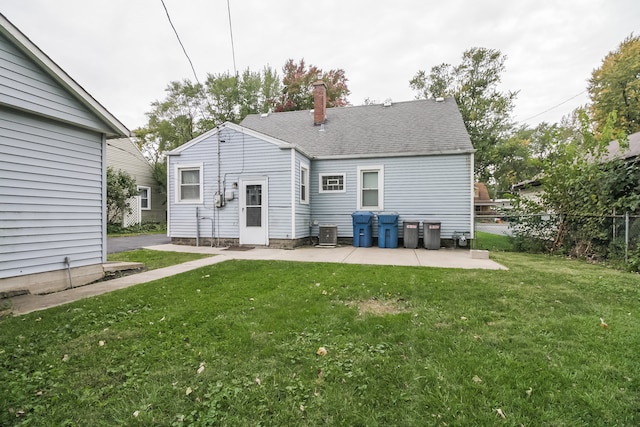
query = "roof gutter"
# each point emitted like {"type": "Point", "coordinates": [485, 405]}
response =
{"type": "Point", "coordinates": [379, 155]}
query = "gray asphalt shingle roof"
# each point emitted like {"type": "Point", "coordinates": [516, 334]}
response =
{"type": "Point", "coordinates": [422, 127]}
{"type": "Point", "coordinates": [615, 152]}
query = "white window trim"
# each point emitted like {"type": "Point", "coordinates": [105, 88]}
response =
{"type": "Point", "coordinates": [380, 170]}
{"type": "Point", "coordinates": [307, 193]}
{"type": "Point", "coordinates": [144, 187]}
{"type": "Point", "coordinates": [344, 182]}
{"type": "Point", "coordinates": [177, 169]}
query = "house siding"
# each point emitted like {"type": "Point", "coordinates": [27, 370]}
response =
{"type": "Point", "coordinates": [123, 155]}
{"type": "Point", "coordinates": [426, 188]}
{"type": "Point", "coordinates": [241, 156]}
{"type": "Point", "coordinates": [51, 203]}
{"type": "Point", "coordinates": [26, 86]}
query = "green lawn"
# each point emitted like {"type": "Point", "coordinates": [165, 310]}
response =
{"type": "Point", "coordinates": [493, 242]}
{"type": "Point", "coordinates": [155, 259]}
{"type": "Point", "coordinates": [236, 344]}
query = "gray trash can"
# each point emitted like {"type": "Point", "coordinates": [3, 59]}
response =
{"type": "Point", "coordinates": [431, 234]}
{"type": "Point", "coordinates": [410, 231]}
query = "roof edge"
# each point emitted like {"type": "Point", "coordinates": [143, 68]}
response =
{"type": "Point", "coordinates": [381, 155]}
{"type": "Point", "coordinates": [245, 130]}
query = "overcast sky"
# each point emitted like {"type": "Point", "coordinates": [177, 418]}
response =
{"type": "Point", "coordinates": [124, 52]}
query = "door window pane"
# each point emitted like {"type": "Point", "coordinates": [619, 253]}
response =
{"type": "Point", "coordinates": [254, 205]}
{"type": "Point", "coordinates": [254, 195]}
{"type": "Point", "coordinates": [254, 216]}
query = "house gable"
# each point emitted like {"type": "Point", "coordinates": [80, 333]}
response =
{"type": "Point", "coordinates": [33, 83]}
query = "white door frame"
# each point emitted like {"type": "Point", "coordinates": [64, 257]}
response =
{"type": "Point", "coordinates": [254, 235]}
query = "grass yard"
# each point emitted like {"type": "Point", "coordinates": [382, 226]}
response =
{"type": "Point", "coordinates": [155, 259]}
{"type": "Point", "coordinates": [493, 242]}
{"type": "Point", "coordinates": [243, 343]}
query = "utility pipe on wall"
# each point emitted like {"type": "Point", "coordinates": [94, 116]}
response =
{"type": "Point", "coordinates": [67, 262]}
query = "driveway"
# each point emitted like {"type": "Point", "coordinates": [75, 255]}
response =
{"type": "Point", "coordinates": [129, 243]}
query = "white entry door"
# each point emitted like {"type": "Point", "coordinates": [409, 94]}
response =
{"type": "Point", "coordinates": [254, 228]}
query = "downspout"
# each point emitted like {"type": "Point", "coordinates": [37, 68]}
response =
{"type": "Point", "coordinates": [220, 195]}
{"type": "Point", "coordinates": [197, 227]}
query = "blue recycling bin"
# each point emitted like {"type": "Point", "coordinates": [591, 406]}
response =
{"type": "Point", "coordinates": [362, 228]}
{"type": "Point", "coordinates": [388, 230]}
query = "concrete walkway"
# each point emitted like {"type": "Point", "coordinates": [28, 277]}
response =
{"type": "Point", "coordinates": [445, 258]}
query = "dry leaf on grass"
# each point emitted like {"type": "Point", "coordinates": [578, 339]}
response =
{"type": "Point", "coordinates": [502, 415]}
{"type": "Point", "coordinates": [477, 379]}
{"type": "Point", "coordinates": [189, 391]}
{"type": "Point", "coordinates": [201, 368]}
{"type": "Point", "coordinates": [321, 351]}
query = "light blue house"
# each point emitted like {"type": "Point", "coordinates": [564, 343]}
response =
{"type": "Point", "coordinates": [275, 178]}
{"type": "Point", "coordinates": [52, 172]}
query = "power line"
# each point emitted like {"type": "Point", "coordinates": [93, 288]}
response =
{"type": "Point", "coordinates": [555, 106]}
{"type": "Point", "coordinates": [233, 50]}
{"type": "Point", "coordinates": [180, 41]}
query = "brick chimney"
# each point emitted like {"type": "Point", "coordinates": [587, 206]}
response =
{"type": "Point", "coordinates": [319, 102]}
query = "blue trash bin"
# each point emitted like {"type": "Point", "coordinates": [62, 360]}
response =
{"type": "Point", "coordinates": [362, 228]}
{"type": "Point", "coordinates": [388, 230]}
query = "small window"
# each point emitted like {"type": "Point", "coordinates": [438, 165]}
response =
{"type": "Point", "coordinates": [332, 183]}
{"type": "Point", "coordinates": [145, 197]}
{"type": "Point", "coordinates": [370, 188]}
{"type": "Point", "coordinates": [189, 184]}
{"type": "Point", "coordinates": [304, 184]}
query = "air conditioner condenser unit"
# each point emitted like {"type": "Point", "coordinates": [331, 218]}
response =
{"type": "Point", "coordinates": [328, 235]}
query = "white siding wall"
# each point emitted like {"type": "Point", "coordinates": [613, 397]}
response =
{"type": "Point", "coordinates": [51, 181]}
{"type": "Point", "coordinates": [430, 188]}
{"type": "Point", "coordinates": [25, 86]}
{"type": "Point", "coordinates": [241, 155]}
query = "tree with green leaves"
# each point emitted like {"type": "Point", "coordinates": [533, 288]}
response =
{"type": "Point", "coordinates": [578, 188]}
{"type": "Point", "coordinates": [486, 110]}
{"type": "Point", "coordinates": [615, 86]}
{"type": "Point", "coordinates": [297, 91]}
{"type": "Point", "coordinates": [190, 109]}
{"type": "Point", "coordinates": [120, 188]}
{"type": "Point", "coordinates": [524, 152]}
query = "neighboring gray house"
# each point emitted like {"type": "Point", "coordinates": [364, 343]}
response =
{"type": "Point", "coordinates": [633, 151]}
{"type": "Point", "coordinates": [151, 203]}
{"type": "Point", "coordinates": [532, 190]}
{"type": "Point", "coordinates": [273, 179]}
{"type": "Point", "coordinates": [52, 171]}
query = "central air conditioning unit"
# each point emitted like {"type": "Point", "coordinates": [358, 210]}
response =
{"type": "Point", "coordinates": [328, 235]}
